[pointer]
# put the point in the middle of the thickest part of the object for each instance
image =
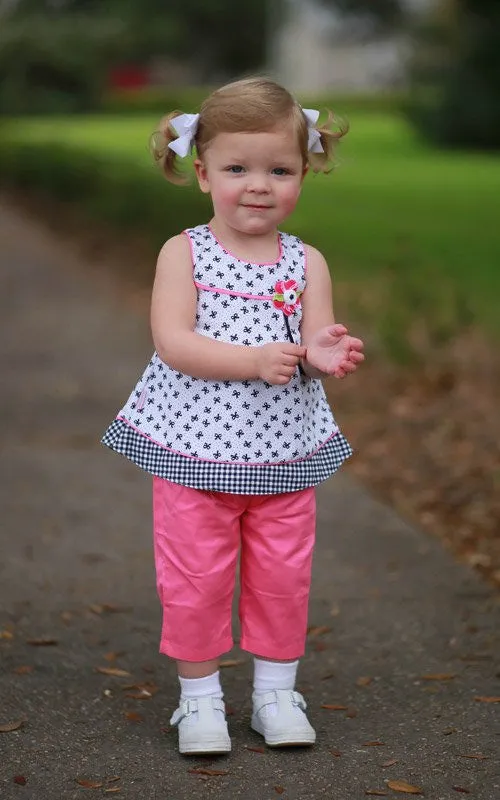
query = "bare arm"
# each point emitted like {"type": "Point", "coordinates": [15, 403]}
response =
{"type": "Point", "coordinates": [317, 303]}
{"type": "Point", "coordinates": [173, 322]}
{"type": "Point", "coordinates": [330, 350]}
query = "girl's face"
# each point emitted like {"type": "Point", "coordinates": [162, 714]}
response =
{"type": "Point", "coordinates": [254, 179]}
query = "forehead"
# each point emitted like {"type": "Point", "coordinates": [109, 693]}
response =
{"type": "Point", "coordinates": [279, 143]}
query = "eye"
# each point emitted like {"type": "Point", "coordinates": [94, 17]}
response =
{"type": "Point", "coordinates": [235, 169]}
{"type": "Point", "coordinates": [281, 171]}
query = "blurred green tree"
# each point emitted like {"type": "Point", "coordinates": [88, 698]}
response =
{"type": "Point", "coordinates": [455, 74]}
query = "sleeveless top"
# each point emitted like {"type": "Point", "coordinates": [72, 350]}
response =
{"type": "Point", "coordinates": [242, 437]}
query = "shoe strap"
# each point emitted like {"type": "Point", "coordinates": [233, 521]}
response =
{"type": "Point", "coordinates": [188, 707]}
{"type": "Point", "coordinates": [275, 695]}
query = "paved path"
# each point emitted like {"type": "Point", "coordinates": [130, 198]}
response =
{"type": "Point", "coordinates": [76, 567]}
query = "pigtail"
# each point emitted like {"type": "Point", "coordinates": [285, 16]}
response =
{"type": "Point", "coordinates": [331, 132]}
{"type": "Point", "coordinates": [163, 154]}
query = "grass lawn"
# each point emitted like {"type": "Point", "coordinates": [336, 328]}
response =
{"type": "Point", "coordinates": [430, 215]}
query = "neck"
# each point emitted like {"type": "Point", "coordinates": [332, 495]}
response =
{"type": "Point", "coordinates": [246, 246]}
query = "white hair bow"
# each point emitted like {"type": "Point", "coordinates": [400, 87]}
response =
{"type": "Point", "coordinates": [314, 137]}
{"type": "Point", "coordinates": [185, 126]}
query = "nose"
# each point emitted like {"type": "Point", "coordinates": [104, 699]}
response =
{"type": "Point", "coordinates": [258, 183]}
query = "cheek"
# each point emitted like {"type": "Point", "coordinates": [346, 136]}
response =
{"type": "Point", "coordinates": [289, 197]}
{"type": "Point", "coordinates": [226, 194]}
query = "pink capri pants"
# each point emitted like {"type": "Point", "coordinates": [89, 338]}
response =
{"type": "Point", "coordinates": [197, 538]}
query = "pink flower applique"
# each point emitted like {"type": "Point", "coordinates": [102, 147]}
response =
{"type": "Point", "coordinates": [286, 296]}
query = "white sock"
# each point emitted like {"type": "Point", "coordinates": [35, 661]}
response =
{"type": "Point", "coordinates": [201, 687]}
{"type": "Point", "coordinates": [269, 675]}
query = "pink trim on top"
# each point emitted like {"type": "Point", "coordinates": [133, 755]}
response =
{"type": "Point", "coordinates": [237, 463]}
{"type": "Point", "coordinates": [237, 294]}
{"type": "Point", "coordinates": [245, 261]}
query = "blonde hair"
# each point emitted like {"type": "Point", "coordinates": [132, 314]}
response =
{"type": "Point", "coordinates": [248, 105]}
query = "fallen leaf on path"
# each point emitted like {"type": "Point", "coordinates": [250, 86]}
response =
{"type": "Point", "coordinates": [113, 779]}
{"type": "Point", "coordinates": [364, 681]}
{"type": "Point", "coordinates": [477, 756]}
{"type": "Point", "coordinates": [389, 763]}
{"type": "Point", "coordinates": [318, 630]}
{"type": "Point", "coordinates": [439, 676]}
{"type": "Point", "coordinates": [449, 731]}
{"type": "Point", "coordinates": [336, 753]}
{"type": "Point", "coordinates": [42, 642]}
{"type": "Point", "coordinates": [143, 694]}
{"type": "Point", "coordinates": [133, 716]}
{"type": "Point", "coordinates": [279, 789]}
{"type": "Point", "coordinates": [8, 727]}
{"type": "Point", "coordinates": [146, 689]}
{"type": "Point", "coordinates": [24, 669]}
{"type": "Point", "coordinates": [6, 635]}
{"type": "Point", "coordinates": [210, 772]}
{"type": "Point", "coordinates": [114, 671]}
{"type": "Point", "coordinates": [112, 656]}
{"type": "Point", "coordinates": [86, 784]}
{"type": "Point", "coordinates": [351, 713]}
{"type": "Point", "coordinates": [108, 608]}
{"type": "Point", "coordinates": [374, 744]}
{"type": "Point", "coordinates": [255, 749]}
{"type": "Point", "coordinates": [376, 792]}
{"type": "Point", "coordinates": [487, 699]}
{"type": "Point", "coordinates": [232, 662]}
{"type": "Point", "coordinates": [20, 780]}
{"type": "Point", "coordinates": [460, 789]}
{"type": "Point", "coordinates": [328, 676]}
{"type": "Point", "coordinates": [334, 707]}
{"type": "Point", "coordinates": [405, 788]}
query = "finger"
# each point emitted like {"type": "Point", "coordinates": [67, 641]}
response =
{"type": "Point", "coordinates": [337, 330]}
{"type": "Point", "coordinates": [290, 361]}
{"type": "Point", "coordinates": [347, 366]}
{"type": "Point", "coordinates": [356, 357]}
{"type": "Point", "coordinates": [356, 344]}
{"type": "Point", "coordinates": [297, 350]}
{"type": "Point", "coordinates": [339, 373]}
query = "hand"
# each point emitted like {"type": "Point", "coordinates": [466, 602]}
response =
{"type": "Point", "coordinates": [277, 361]}
{"type": "Point", "coordinates": [333, 352]}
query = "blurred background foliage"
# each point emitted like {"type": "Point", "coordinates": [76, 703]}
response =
{"type": "Point", "coordinates": [57, 55]}
{"type": "Point", "coordinates": [455, 74]}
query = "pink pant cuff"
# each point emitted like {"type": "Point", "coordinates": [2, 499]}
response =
{"type": "Point", "coordinates": [190, 654]}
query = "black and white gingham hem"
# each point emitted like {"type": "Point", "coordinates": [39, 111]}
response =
{"type": "Point", "coordinates": [231, 478]}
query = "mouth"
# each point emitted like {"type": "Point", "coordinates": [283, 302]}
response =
{"type": "Point", "coordinates": [256, 207]}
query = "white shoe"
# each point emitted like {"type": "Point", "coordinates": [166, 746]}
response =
{"type": "Point", "coordinates": [286, 724]}
{"type": "Point", "coordinates": [202, 728]}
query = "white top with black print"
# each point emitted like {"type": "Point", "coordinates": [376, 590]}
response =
{"type": "Point", "coordinates": [244, 437]}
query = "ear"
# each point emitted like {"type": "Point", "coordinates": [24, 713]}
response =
{"type": "Point", "coordinates": [305, 170]}
{"type": "Point", "coordinates": [201, 174]}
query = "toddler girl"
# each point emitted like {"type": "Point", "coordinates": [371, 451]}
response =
{"type": "Point", "coordinates": [230, 416]}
